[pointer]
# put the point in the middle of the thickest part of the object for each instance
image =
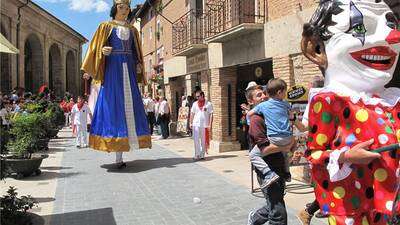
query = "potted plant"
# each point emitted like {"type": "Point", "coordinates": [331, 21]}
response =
{"type": "Point", "coordinates": [25, 132]}
{"type": "Point", "coordinates": [55, 118]}
{"type": "Point", "coordinates": [13, 209]}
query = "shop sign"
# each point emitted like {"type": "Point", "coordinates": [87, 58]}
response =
{"type": "Point", "coordinates": [197, 63]}
{"type": "Point", "coordinates": [297, 93]}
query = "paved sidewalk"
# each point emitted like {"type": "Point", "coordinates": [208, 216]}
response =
{"type": "Point", "coordinates": [157, 187]}
{"type": "Point", "coordinates": [235, 166]}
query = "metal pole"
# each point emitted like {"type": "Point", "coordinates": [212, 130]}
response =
{"type": "Point", "coordinates": [18, 29]}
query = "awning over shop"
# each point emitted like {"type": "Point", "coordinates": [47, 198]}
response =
{"type": "Point", "coordinates": [6, 46]}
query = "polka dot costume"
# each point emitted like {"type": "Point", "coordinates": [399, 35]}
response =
{"type": "Point", "coordinates": [366, 195]}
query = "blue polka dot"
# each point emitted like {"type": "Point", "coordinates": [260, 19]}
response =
{"type": "Point", "coordinates": [325, 208]}
{"type": "Point", "coordinates": [381, 121]}
{"type": "Point", "coordinates": [385, 217]}
{"type": "Point", "coordinates": [350, 139]}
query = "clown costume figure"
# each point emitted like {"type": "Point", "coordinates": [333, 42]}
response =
{"type": "Point", "coordinates": [114, 60]}
{"type": "Point", "coordinates": [356, 44]}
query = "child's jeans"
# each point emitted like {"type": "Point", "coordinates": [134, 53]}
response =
{"type": "Point", "coordinates": [259, 163]}
{"type": "Point", "coordinates": [282, 141]}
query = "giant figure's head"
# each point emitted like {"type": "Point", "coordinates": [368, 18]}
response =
{"type": "Point", "coordinates": [356, 43]}
{"type": "Point", "coordinates": [121, 10]}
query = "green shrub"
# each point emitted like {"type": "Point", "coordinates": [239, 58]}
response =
{"type": "Point", "coordinates": [26, 131]}
{"type": "Point", "coordinates": [55, 115]}
{"type": "Point", "coordinates": [34, 107]}
{"type": "Point", "coordinates": [12, 208]}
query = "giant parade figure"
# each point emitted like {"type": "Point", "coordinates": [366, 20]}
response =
{"type": "Point", "coordinates": [356, 44]}
{"type": "Point", "coordinates": [114, 60]}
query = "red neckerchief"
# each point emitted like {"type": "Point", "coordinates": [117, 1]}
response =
{"type": "Point", "coordinates": [80, 105]}
{"type": "Point", "coordinates": [201, 103]}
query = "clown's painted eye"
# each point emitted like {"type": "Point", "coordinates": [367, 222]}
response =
{"type": "Point", "coordinates": [359, 29]}
{"type": "Point", "coordinates": [392, 21]}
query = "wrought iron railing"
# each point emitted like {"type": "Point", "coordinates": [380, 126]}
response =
{"type": "Point", "coordinates": [187, 30]}
{"type": "Point", "coordinates": [221, 15]}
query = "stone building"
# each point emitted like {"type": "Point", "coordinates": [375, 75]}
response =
{"type": "Point", "coordinates": [50, 50]}
{"type": "Point", "coordinates": [221, 45]}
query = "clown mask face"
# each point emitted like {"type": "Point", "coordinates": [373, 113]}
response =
{"type": "Point", "coordinates": [363, 50]}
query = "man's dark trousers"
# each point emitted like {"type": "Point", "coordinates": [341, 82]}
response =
{"type": "Point", "coordinates": [151, 119]}
{"type": "Point", "coordinates": [274, 209]}
{"type": "Point", "coordinates": [164, 121]}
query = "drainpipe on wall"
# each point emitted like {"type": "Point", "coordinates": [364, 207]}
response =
{"type": "Point", "coordinates": [18, 28]}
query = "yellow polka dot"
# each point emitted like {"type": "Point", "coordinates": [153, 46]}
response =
{"type": "Point", "coordinates": [358, 130]}
{"type": "Point", "coordinates": [332, 220]}
{"type": "Point", "coordinates": [317, 107]}
{"type": "Point", "coordinates": [398, 135]}
{"type": "Point", "coordinates": [380, 175]}
{"type": "Point", "coordinates": [321, 139]}
{"type": "Point", "coordinates": [333, 205]}
{"type": "Point", "coordinates": [316, 154]}
{"type": "Point", "coordinates": [362, 115]}
{"type": "Point", "coordinates": [365, 221]}
{"type": "Point", "coordinates": [339, 192]}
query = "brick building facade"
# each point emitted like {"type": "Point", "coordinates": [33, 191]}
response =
{"type": "Point", "coordinates": [221, 45]}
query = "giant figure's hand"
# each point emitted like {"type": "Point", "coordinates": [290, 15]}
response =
{"type": "Point", "coordinates": [360, 154]}
{"type": "Point", "coordinates": [86, 76]}
{"type": "Point", "coordinates": [139, 68]}
{"type": "Point", "coordinates": [106, 50]}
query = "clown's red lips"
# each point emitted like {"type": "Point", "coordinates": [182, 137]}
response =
{"type": "Point", "coordinates": [379, 58]}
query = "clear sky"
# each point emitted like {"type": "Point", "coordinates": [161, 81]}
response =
{"type": "Point", "coordinates": [82, 15]}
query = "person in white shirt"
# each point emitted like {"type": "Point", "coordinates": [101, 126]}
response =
{"type": "Point", "coordinates": [79, 113]}
{"type": "Point", "coordinates": [149, 107]}
{"type": "Point", "coordinates": [201, 117]}
{"type": "Point", "coordinates": [163, 113]}
{"type": "Point", "coordinates": [5, 112]}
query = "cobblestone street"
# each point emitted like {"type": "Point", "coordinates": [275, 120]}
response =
{"type": "Point", "coordinates": [157, 187]}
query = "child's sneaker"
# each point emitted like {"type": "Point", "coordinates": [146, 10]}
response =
{"type": "Point", "coordinates": [304, 217]}
{"type": "Point", "coordinates": [267, 182]}
{"type": "Point", "coordinates": [250, 218]}
{"type": "Point", "coordinates": [288, 177]}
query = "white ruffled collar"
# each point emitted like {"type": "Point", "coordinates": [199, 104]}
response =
{"type": "Point", "coordinates": [389, 97]}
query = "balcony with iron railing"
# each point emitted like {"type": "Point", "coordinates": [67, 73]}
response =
{"type": "Point", "coordinates": [188, 34]}
{"type": "Point", "coordinates": [228, 19]}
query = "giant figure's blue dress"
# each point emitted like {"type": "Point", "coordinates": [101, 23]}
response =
{"type": "Point", "coordinates": [119, 120]}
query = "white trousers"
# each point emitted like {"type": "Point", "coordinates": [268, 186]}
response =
{"type": "Point", "coordinates": [81, 135]}
{"type": "Point", "coordinates": [118, 157]}
{"type": "Point", "coordinates": [67, 119]}
{"type": "Point", "coordinates": [199, 138]}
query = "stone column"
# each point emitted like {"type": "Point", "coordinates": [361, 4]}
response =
{"type": "Point", "coordinates": [189, 81]}
{"type": "Point", "coordinates": [21, 73]}
{"type": "Point", "coordinates": [63, 69]}
{"type": "Point", "coordinates": [205, 83]}
{"type": "Point", "coordinates": [46, 47]}
{"type": "Point", "coordinates": [13, 38]}
{"type": "Point", "coordinates": [223, 95]}
{"type": "Point", "coordinates": [78, 80]}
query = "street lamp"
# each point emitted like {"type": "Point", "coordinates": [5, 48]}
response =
{"type": "Point", "coordinates": [18, 28]}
